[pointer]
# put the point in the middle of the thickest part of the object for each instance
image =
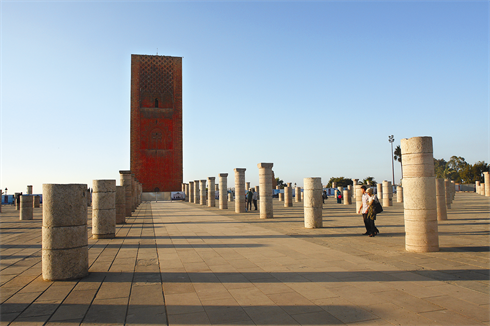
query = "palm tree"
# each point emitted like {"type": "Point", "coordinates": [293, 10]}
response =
{"type": "Point", "coordinates": [398, 157]}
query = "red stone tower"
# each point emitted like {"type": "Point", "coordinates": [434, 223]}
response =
{"type": "Point", "coordinates": [156, 122]}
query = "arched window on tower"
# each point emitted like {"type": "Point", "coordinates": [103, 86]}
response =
{"type": "Point", "coordinates": [156, 102]}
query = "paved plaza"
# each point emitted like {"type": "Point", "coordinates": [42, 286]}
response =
{"type": "Point", "coordinates": [176, 263]}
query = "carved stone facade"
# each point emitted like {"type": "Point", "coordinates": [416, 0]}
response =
{"type": "Point", "coordinates": [156, 122]}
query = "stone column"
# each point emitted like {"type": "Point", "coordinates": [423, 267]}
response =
{"type": "Point", "coordinates": [358, 191]}
{"type": "Point", "coordinates": [104, 209]}
{"type": "Point", "coordinates": [482, 189]}
{"type": "Point", "coordinates": [280, 197]}
{"type": "Point", "coordinates": [133, 192]}
{"type": "Point", "coordinates": [120, 205]}
{"type": "Point", "coordinates": [297, 194]}
{"type": "Point", "coordinates": [191, 191]}
{"type": "Point", "coordinates": [379, 189]}
{"type": "Point", "coordinates": [202, 192]}
{"type": "Point", "coordinates": [421, 233]}
{"type": "Point", "coordinates": [196, 192]}
{"type": "Point", "coordinates": [186, 192]}
{"type": "Point", "coordinates": [64, 232]}
{"type": "Point", "coordinates": [313, 203]}
{"type": "Point", "coordinates": [347, 198]}
{"type": "Point", "coordinates": [447, 193]}
{"type": "Point", "coordinates": [126, 183]}
{"type": "Point", "coordinates": [247, 186]}
{"type": "Point", "coordinates": [477, 187]}
{"type": "Point", "coordinates": [334, 185]}
{"type": "Point", "coordinates": [399, 194]}
{"type": "Point", "coordinates": [486, 176]}
{"type": "Point", "coordinates": [1, 200]}
{"type": "Point", "coordinates": [182, 187]}
{"type": "Point", "coordinates": [265, 188]}
{"type": "Point", "coordinates": [211, 192]}
{"type": "Point", "coordinates": [441, 200]}
{"type": "Point", "coordinates": [240, 190]}
{"type": "Point", "coordinates": [453, 191]}
{"type": "Point", "coordinates": [387, 194]}
{"type": "Point", "coordinates": [257, 190]}
{"type": "Point", "coordinates": [230, 197]}
{"type": "Point", "coordinates": [288, 195]}
{"type": "Point", "coordinates": [349, 188]}
{"type": "Point", "coordinates": [26, 207]}
{"type": "Point", "coordinates": [37, 201]}
{"type": "Point", "coordinates": [29, 190]}
{"type": "Point", "coordinates": [223, 190]}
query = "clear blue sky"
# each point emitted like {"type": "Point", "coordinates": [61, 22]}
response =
{"type": "Point", "coordinates": [316, 88]}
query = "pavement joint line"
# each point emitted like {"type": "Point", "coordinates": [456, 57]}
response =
{"type": "Point", "coordinates": [159, 268]}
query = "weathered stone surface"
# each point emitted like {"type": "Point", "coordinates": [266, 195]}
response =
{"type": "Point", "coordinates": [202, 192]}
{"type": "Point", "coordinates": [399, 194]}
{"type": "Point", "coordinates": [420, 205]}
{"type": "Point", "coordinates": [26, 207]}
{"type": "Point", "coordinates": [447, 193]}
{"type": "Point", "coordinates": [104, 209]}
{"type": "Point", "coordinates": [104, 186]}
{"type": "Point", "coordinates": [211, 192]}
{"type": "Point", "coordinates": [37, 201]}
{"type": "Point", "coordinates": [379, 190]}
{"type": "Point", "coordinates": [358, 190]}
{"type": "Point", "coordinates": [191, 191]}
{"type": "Point", "coordinates": [104, 200]}
{"type": "Point", "coordinates": [120, 205]}
{"type": "Point", "coordinates": [288, 195]}
{"type": "Point", "coordinates": [64, 205]}
{"type": "Point", "coordinates": [486, 176]}
{"type": "Point", "coordinates": [126, 183]}
{"type": "Point", "coordinates": [265, 190]}
{"type": "Point", "coordinates": [67, 264]}
{"type": "Point", "coordinates": [347, 198]}
{"type": "Point", "coordinates": [64, 237]}
{"type": "Point", "coordinates": [387, 194]}
{"type": "Point", "coordinates": [297, 194]}
{"type": "Point", "coordinates": [64, 226]}
{"type": "Point", "coordinates": [441, 200]}
{"type": "Point", "coordinates": [29, 190]}
{"type": "Point", "coordinates": [240, 190]}
{"type": "Point", "coordinates": [313, 202]}
{"type": "Point", "coordinates": [196, 192]}
{"type": "Point", "coordinates": [223, 191]}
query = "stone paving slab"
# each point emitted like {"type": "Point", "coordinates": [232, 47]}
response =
{"type": "Point", "coordinates": [177, 263]}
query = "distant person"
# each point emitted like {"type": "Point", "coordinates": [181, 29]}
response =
{"type": "Point", "coordinates": [338, 195]}
{"type": "Point", "coordinates": [364, 211]}
{"type": "Point", "coordinates": [324, 196]}
{"type": "Point", "coordinates": [255, 197]}
{"type": "Point", "coordinates": [249, 197]}
{"type": "Point", "coordinates": [371, 215]}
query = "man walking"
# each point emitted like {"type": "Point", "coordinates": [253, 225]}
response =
{"type": "Point", "coordinates": [249, 199]}
{"type": "Point", "coordinates": [255, 197]}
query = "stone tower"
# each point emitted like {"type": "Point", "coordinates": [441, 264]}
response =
{"type": "Point", "coordinates": [156, 122]}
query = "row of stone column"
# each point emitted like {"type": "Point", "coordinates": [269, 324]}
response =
{"type": "Point", "coordinates": [483, 188]}
{"type": "Point", "coordinates": [195, 191]}
{"type": "Point", "coordinates": [64, 227]}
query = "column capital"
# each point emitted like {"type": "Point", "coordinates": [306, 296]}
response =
{"type": "Point", "coordinates": [124, 171]}
{"type": "Point", "coordinates": [265, 165]}
{"type": "Point", "coordinates": [223, 175]}
{"type": "Point", "coordinates": [211, 178]}
{"type": "Point", "coordinates": [240, 170]}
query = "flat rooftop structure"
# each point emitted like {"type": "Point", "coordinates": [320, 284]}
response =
{"type": "Point", "coordinates": [177, 263]}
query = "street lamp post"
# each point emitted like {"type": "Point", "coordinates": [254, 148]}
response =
{"type": "Point", "coordinates": [391, 139]}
